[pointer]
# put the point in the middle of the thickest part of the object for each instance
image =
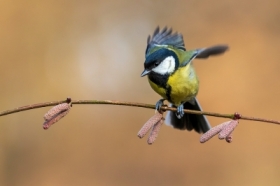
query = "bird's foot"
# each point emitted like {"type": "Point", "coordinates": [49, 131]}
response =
{"type": "Point", "coordinates": [180, 111]}
{"type": "Point", "coordinates": [159, 104]}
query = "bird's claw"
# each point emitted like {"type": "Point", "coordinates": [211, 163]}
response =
{"type": "Point", "coordinates": [180, 111]}
{"type": "Point", "coordinates": [159, 104]}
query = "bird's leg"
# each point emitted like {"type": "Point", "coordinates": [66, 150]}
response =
{"type": "Point", "coordinates": [159, 104]}
{"type": "Point", "coordinates": [180, 111]}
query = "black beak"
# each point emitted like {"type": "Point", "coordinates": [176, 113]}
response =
{"type": "Point", "coordinates": [145, 72]}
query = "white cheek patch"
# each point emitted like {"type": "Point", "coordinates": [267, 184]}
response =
{"type": "Point", "coordinates": [167, 66]}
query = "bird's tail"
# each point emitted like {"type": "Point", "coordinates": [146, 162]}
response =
{"type": "Point", "coordinates": [189, 121]}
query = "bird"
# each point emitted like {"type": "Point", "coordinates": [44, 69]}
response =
{"type": "Point", "coordinates": [169, 68]}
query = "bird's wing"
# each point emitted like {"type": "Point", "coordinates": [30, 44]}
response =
{"type": "Point", "coordinates": [204, 53]}
{"type": "Point", "coordinates": [165, 37]}
{"type": "Point", "coordinates": [211, 51]}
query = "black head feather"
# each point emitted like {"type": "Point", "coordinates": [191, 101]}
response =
{"type": "Point", "coordinates": [158, 56]}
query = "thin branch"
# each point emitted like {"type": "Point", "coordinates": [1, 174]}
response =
{"type": "Point", "coordinates": [132, 104]}
{"type": "Point", "coordinates": [29, 107]}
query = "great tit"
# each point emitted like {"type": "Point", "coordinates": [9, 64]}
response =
{"type": "Point", "coordinates": [171, 74]}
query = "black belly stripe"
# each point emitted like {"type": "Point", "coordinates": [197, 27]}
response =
{"type": "Point", "coordinates": [168, 93]}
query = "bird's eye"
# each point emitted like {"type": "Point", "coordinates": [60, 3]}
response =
{"type": "Point", "coordinates": [156, 64]}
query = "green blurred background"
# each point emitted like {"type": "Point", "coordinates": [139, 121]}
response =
{"type": "Point", "coordinates": [95, 50]}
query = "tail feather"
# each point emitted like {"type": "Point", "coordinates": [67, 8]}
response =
{"type": "Point", "coordinates": [196, 122]}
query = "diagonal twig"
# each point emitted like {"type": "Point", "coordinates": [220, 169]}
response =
{"type": "Point", "coordinates": [132, 104]}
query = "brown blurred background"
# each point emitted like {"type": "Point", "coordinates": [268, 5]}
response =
{"type": "Point", "coordinates": [95, 50]}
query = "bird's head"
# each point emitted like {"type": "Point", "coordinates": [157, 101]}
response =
{"type": "Point", "coordinates": [163, 61]}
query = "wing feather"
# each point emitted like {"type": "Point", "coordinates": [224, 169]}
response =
{"type": "Point", "coordinates": [165, 37]}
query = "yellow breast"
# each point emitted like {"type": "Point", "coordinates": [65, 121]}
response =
{"type": "Point", "coordinates": [184, 85]}
{"type": "Point", "coordinates": [160, 90]}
